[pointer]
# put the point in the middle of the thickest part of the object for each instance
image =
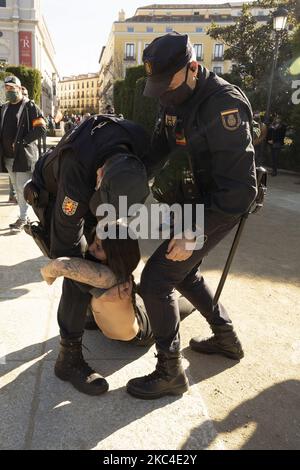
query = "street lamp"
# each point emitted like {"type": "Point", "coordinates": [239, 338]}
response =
{"type": "Point", "coordinates": [279, 23]}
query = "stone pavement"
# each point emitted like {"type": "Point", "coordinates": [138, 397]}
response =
{"type": "Point", "coordinates": [38, 411]}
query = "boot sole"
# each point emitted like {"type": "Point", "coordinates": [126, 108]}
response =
{"type": "Point", "coordinates": [175, 391]}
{"type": "Point", "coordinates": [81, 388]}
{"type": "Point", "coordinates": [221, 353]}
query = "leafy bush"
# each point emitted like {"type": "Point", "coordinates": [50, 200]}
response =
{"type": "Point", "coordinates": [30, 79]}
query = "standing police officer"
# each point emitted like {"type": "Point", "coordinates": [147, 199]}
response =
{"type": "Point", "coordinates": [96, 163]}
{"type": "Point", "coordinates": [209, 121]}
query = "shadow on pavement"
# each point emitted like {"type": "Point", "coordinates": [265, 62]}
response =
{"type": "Point", "coordinates": [275, 412]}
{"type": "Point", "coordinates": [19, 274]}
{"type": "Point", "coordinates": [59, 416]}
{"type": "Point", "coordinates": [202, 366]}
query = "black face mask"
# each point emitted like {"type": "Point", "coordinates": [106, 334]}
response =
{"type": "Point", "coordinates": [177, 96]}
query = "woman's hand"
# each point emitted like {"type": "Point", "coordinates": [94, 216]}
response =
{"type": "Point", "coordinates": [46, 275]}
{"type": "Point", "coordinates": [117, 293]}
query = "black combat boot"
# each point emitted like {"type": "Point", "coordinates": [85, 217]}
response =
{"type": "Point", "coordinates": [71, 367]}
{"type": "Point", "coordinates": [224, 341]}
{"type": "Point", "coordinates": [168, 379]}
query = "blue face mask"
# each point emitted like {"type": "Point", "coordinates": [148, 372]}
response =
{"type": "Point", "coordinates": [177, 96]}
{"type": "Point", "coordinates": [12, 96]}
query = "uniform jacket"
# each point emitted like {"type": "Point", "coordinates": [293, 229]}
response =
{"type": "Point", "coordinates": [215, 127]}
{"type": "Point", "coordinates": [68, 174]}
{"type": "Point", "coordinates": [31, 126]}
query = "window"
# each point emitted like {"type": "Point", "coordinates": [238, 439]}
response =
{"type": "Point", "coordinates": [129, 51]}
{"type": "Point", "coordinates": [2, 3]}
{"type": "Point", "coordinates": [196, 13]}
{"type": "Point", "coordinates": [199, 30]}
{"type": "Point", "coordinates": [217, 70]}
{"type": "Point", "coordinates": [169, 29]}
{"type": "Point", "coordinates": [130, 29]}
{"type": "Point", "coordinates": [149, 29]}
{"type": "Point", "coordinates": [219, 50]}
{"type": "Point", "coordinates": [92, 83]}
{"type": "Point", "coordinates": [199, 51]}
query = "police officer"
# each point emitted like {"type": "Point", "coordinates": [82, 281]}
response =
{"type": "Point", "coordinates": [103, 153]}
{"type": "Point", "coordinates": [209, 121]}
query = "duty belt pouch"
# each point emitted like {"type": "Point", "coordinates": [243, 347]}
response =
{"type": "Point", "coordinates": [176, 182]}
{"type": "Point", "coordinates": [36, 231]}
{"type": "Point", "coordinates": [262, 177]}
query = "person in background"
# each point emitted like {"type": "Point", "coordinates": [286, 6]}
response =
{"type": "Point", "coordinates": [12, 194]}
{"type": "Point", "coordinates": [109, 109]}
{"type": "Point", "coordinates": [260, 135]}
{"type": "Point", "coordinates": [22, 123]}
{"type": "Point", "coordinates": [276, 136]}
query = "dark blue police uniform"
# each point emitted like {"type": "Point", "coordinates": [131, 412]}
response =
{"type": "Point", "coordinates": [210, 124]}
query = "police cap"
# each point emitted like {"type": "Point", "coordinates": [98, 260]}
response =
{"type": "Point", "coordinates": [125, 176]}
{"type": "Point", "coordinates": [165, 56]}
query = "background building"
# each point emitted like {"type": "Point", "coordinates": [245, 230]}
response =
{"type": "Point", "coordinates": [129, 37]}
{"type": "Point", "coordinates": [79, 94]}
{"type": "Point", "coordinates": [25, 40]}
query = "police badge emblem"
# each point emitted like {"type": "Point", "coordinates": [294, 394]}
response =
{"type": "Point", "coordinates": [69, 206]}
{"type": "Point", "coordinates": [171, 120]}
{"type": "Point", "coordinates": [231, 119]}
{"type": "Point", "coordinates": [148, 68]}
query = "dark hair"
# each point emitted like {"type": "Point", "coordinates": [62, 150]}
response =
{"type": "Point", "coordinates": [123, 256]}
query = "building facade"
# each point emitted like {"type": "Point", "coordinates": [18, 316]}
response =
{"type": "Point", "coordinates": [79, 94]}
{"type": "Point", "coordinates": [129, 37]}
{"type": "Point", "coordinates": [25, 40]}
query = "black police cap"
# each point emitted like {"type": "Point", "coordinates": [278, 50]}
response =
{"type": "Point", "coordinates": [165, 56]}
{"type": "Point", "coordinates": [126, 176]}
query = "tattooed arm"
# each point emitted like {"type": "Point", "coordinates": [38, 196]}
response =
{"type": "Point", "coordinates": [77, 269]}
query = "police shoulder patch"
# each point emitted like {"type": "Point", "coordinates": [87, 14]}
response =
{"type": "Point", "coordinates": [231, 119]}
{"type": "Point", "coordinates": [69, 206]}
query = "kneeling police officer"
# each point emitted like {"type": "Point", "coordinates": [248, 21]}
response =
{"type": "Point", "coordinates": [96, 163]}
{"type": "Point", "coordinates": [208, 122]}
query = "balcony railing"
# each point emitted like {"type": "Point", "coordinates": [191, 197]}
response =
{"type": "Point", "coordinates": [218, 57]}
{"type": "Point", "coordinates": [129, 57]}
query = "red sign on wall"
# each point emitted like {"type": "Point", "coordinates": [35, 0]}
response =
{"type": "Point", "coordinates": [25, 48]}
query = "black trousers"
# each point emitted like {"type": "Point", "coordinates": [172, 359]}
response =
{"type": "Point", "coordinates": [275, 156]}
{"type": "Point", "coordinates": [159, 280]}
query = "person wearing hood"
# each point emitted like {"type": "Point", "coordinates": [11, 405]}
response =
{"type": "Point", "coordinates": [95, 163]}
{"type": "Point", "coordinates": [207, 123]}
{"type": "Point", "coordinates": [21, 124]}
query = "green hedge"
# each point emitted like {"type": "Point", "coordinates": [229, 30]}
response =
{"type": "Point", "coordinates": [30, 79]}
{"type": "Point", "coordinates": [129, 99]}
{"type": "Point", "coordinates": [124, 91]}
{"type": "Point", "coordinates": [144, 109]}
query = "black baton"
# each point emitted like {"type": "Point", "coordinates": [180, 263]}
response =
{"type": "Point", "coordinates": [261, 174]}
{"type": "Point", "coordinates": [230, 258]}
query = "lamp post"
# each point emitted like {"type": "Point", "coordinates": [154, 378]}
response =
{"type": "Point", "coordinates": [279, 23]}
